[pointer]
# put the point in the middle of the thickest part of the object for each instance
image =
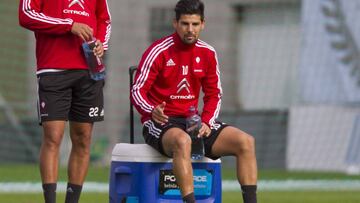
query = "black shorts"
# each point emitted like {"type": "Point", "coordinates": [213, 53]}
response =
{"type": "Point", "coordinates": [70, 95]}
{"type": "Point", "coordinates": [153, 133]}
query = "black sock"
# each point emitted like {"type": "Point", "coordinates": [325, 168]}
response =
{"type": "Point", "coordinates": [49, 190]}
{"type": "Point", "coordinates": [249, 193]}
{"type": "Point", "coordinates": [190, 198]}
{"type": "Point", "coordinates": [73, 193]}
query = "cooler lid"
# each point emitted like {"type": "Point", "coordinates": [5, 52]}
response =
{"type": "Point", "coordinates": [143, 153]}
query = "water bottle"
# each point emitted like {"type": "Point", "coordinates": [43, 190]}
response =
{"type": "Point", "coordinates": [96, 65]}
{"type": "Point", "coordinates": [193, 125]}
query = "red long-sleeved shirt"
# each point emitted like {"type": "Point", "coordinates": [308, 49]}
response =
{"type": "Point", "coordinates": [51, 21]}
{"type": "Point", "coordinates": [174, 72]}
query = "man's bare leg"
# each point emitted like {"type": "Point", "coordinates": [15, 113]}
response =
{"type": "Point", "coordinates": [232, 141]}
{"type": "Point", "coordinates": [80, 134]}
{"type": "Point", "coordinates": [177, 144]}
{"type": "Point", "coordinates": [53, 132]}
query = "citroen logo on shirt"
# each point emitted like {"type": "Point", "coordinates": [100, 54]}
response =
{"type": "Point", "coordinates": [183, 84]}
{"type": "Point", "coordinates": [79, 2]}
{"type": "Point", "coordinates": [74, 11]}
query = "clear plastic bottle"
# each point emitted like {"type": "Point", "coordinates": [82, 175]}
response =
{"type": "Point", "coordinates": [193, 125]}
{"type": "Point", "coordinates": [96, 65]}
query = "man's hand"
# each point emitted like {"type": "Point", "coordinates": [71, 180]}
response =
{"type": "Point", "coordinates": [98, 49]}
{"type": "Point", "coordinates": [204, 130]}
{"type": "Point", "coordinates": [158, 114]}
{"type": "Point", "coordinates": [82, 30]}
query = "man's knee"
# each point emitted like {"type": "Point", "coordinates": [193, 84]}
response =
{"type": "Point", "coordinates": [52, 141]}
{"type": "Point", "coordinates": [81, 140]}
{"type": "Point", "coordinates": [181, 144]}
{"type": "Point", "coordinates": [53, 134]}
{"type": "Point", "coordinates": [246, 143]}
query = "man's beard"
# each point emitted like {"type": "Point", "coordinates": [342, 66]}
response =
{"type": "Point", "coordinates": [188, 40]}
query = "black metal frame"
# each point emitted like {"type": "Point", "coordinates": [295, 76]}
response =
{"type": "Point", "coordinates": [132, 70]}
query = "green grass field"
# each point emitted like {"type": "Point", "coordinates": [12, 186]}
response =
{"type": "Point", "coordinates": [29, 173]}
{"type": "Point", "coordinates": [228, 197]}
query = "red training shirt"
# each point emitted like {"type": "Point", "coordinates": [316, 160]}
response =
{"type": "Point", "coordinates": [174, 72]}
{"type": "Point", "coordinates": [51, 21]}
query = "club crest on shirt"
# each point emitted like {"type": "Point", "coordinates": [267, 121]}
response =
{"type": "Point", "coordinates": [197, 59]}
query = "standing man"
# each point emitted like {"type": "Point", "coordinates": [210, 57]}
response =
{"type": "Point", "coordinates": [65, 90]}
{"type": "Point", "coordinates": [167, 83]}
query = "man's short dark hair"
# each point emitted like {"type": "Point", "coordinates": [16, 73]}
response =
{"type": "Point", "coordinates": [189, 7]}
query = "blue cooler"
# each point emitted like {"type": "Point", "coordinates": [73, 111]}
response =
{"type": "Point", "coordinates": [139, 174]}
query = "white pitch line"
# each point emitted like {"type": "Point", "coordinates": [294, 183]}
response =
{"type": "Point", "coordinates": [31, 187]}
{"type": "Point", "coordinates": [291, 185]}
{"type": "Point", "coordinates": [227, 185]}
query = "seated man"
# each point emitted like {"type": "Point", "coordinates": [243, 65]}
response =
{"type": "Point", "coordinates": [167, 83]}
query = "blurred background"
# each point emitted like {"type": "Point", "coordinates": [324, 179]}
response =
{"type": "Point", "coordinates": [290, 72]}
